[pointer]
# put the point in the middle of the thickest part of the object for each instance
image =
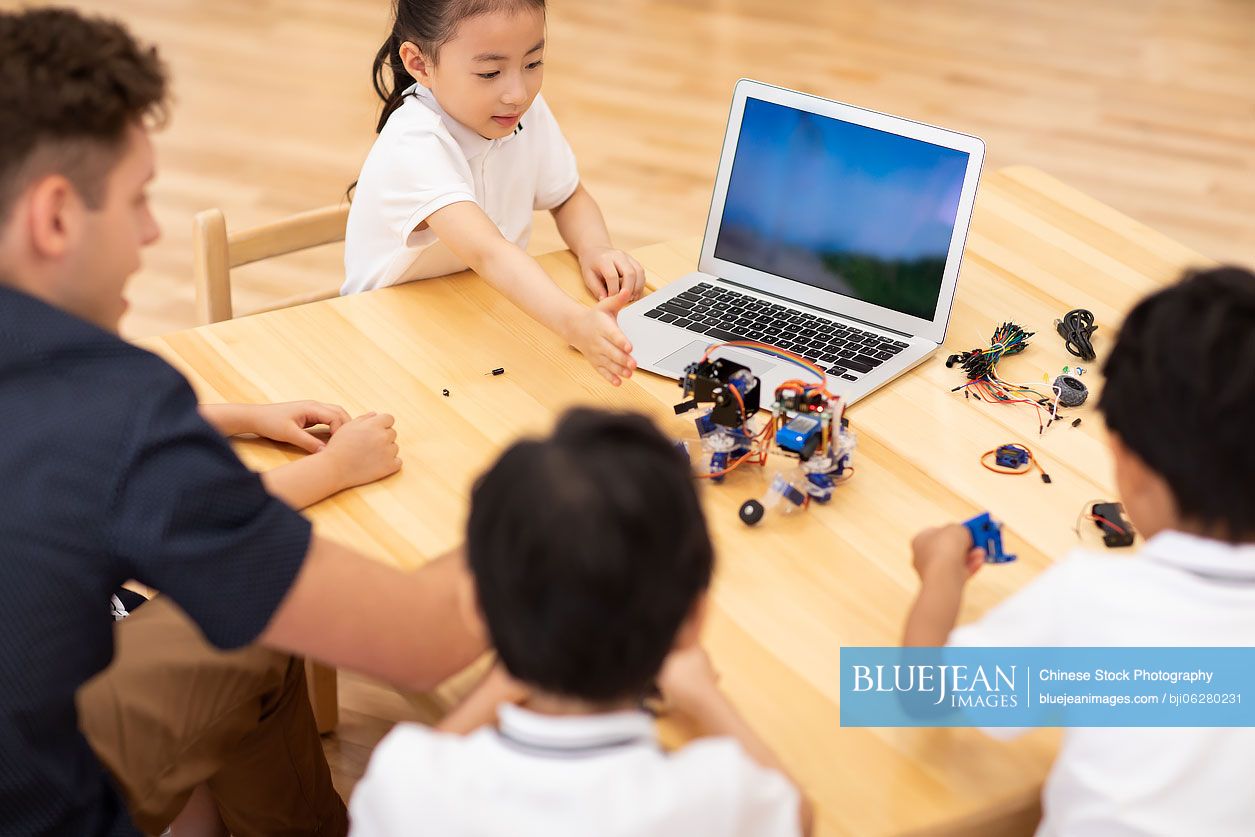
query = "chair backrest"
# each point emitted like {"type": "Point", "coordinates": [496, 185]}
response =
{"type": "Point", "coordinates": [215, 253]}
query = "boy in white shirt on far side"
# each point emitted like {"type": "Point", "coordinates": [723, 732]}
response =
{"type": "Point", "coordinates": [1179, 400]}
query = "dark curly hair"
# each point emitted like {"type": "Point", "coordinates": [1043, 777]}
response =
{"type": "Point", "coordinates": [69, 88]}
{"type": "Point", "coordinates": [589, 549]}
{"type": "Point", "coordinates": [1180, 393]}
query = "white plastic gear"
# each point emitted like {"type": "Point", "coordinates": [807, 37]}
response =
{"type": "Point", "coordinates": [721, 441]}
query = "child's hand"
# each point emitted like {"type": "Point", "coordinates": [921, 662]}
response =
{"type": "Point", "coordinates": [595, 332]}
{"type": "Point", "coordinates": [607, 271]}
{"type": "Point", "coordinates": [363, 450]}
{"type": "Point", "coordinates": [688, 681]}
{"type": "Point", "coordinates": [946, 553]}
{"type": "Point", "coordinates": [290, 422]}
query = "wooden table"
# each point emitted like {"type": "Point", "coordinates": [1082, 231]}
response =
{"type": "Point", "coordinates": [792, 591]}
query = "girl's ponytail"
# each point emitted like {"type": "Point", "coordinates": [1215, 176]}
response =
{"type": "Point", "coordinates": [427, 24]}
{"type": "Point", "coordinates": [388, 58]}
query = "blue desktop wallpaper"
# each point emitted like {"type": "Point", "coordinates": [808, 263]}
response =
{"type": "Point", "coordinates": [846, 208]}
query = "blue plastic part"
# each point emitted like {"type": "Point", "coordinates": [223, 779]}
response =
{"type": "Point", "coordinates": [794, 435]}
{"type": "Point", "coordinates": [791, 494]}
{"type": "Point", "coordinates": [742, 382]}
{"type": "Point", "coordinates": [1010, 456]}
{"type": "Point", "coordinates": [987, 534]}
{"type": "Point", "coordinates": [718, 461]}
{"type": "Point", "coordinates": [705, 424]}
{"type": "Point", "coordinates": [823, 484]}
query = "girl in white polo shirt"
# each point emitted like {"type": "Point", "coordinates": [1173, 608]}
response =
{"type": "Point", "coordinates": [467, 150]}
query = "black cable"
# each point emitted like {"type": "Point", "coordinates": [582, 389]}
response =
{"type": "Point", "coordinates": [1075, 328]}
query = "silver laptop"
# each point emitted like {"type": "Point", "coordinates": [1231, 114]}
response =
{"type": "Point", "coordinates": [834, 233]}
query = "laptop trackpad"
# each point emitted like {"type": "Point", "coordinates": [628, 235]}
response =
{"type": "Point", "coordinates": [676, 362]}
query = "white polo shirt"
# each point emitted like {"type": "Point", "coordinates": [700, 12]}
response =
{"type": "Point", "coordinates": [573, 776]}
{"type": "Point", "coordinates": [1180, 590]}
{"type": "Point", "coordinates": [425, 160]}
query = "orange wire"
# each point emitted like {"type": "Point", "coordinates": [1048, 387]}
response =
{"type": "Point", "coordinates": [1112, 524]}
{"type": "Point", "coordinates": [736, 464]}
{"type": "Point", "coordinates": [814, 368]}
{"type": "Point", "coordinates": [739, 400]}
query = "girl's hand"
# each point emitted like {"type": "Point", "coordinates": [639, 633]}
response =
{"type": "Point", "coordinates": [290, 422]}
{"type": "Point", "coordinates": [363, 450]}
{"type": "Point", "coordinates": [945, 553]}
{"type": "Point", "coordinates": [607, 271]}
{"type": "Point", "coordinates": [595, 332]}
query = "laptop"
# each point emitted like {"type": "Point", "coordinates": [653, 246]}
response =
{"type": "Point", "coordinates": [834, 233]}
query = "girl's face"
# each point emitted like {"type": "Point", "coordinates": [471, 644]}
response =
{"type": "Point", "coordinates": [489, 73]}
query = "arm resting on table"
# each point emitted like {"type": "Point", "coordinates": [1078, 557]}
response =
{"type": "Point", "coordinates": [348, 611]}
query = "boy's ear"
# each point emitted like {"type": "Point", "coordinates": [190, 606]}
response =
{"type": "Point", "coordinates": [417, 64]}
{"type": "Point", "coordinates": [1147, 496]}
{"type": "Point", "coordinates": [690, 633]}
{"type": "Point", "coordinates": [54, 214]}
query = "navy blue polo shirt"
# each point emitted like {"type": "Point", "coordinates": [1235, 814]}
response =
{"type": "Point", "coordinates": [108, 473]}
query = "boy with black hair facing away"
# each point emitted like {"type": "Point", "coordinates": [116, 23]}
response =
{"type": "Point", "coordinates": [590, 561]}
{"type": "Point", "coordinates": [1179, 400]}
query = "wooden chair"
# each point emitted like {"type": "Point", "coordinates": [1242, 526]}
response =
{"type": "Point", "coordinates": [215, 253]}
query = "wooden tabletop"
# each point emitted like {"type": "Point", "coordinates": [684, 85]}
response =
{"type": "Point", "coordinates": [791, 592]}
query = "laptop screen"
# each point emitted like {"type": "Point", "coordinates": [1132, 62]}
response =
{"type": "Point", "coordinates": [846, 208]}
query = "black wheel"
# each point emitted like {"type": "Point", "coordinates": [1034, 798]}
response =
{"type": "Point", "coordinates": [751, 512]}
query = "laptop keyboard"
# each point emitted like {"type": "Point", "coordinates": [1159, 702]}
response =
{"type": "Point", "coordinates": [840, 349]}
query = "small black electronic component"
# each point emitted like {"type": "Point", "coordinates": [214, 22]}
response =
{"type": "Point", "coordinates": [730, 387]}
{"type": "Point", "coordinates": [500, 370]}
{"type": "Point", "coordinates": [1116, 529]}
{"type": "Point", "coordinates": [445, 393]}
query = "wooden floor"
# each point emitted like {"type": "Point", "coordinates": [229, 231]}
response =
{"type": "Point", "coordinates": [1148, 105]}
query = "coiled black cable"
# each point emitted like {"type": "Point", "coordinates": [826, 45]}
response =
{"type": "Point", "coordinates": [1075, 328]}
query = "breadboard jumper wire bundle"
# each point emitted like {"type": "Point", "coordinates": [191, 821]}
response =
{"type": "Point", "coordinates": [804, 421]}
{"type": "Point", "coordinates": [983, 383]}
